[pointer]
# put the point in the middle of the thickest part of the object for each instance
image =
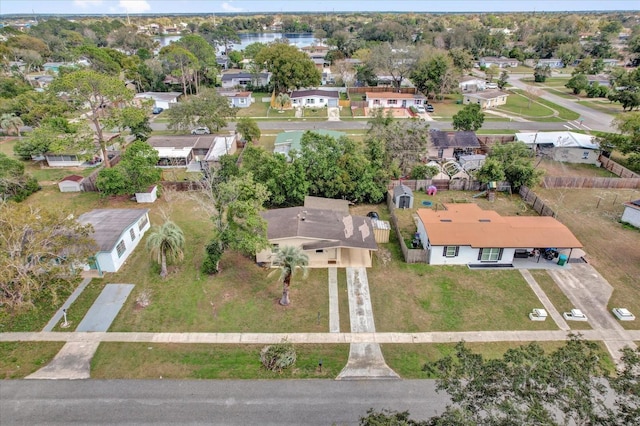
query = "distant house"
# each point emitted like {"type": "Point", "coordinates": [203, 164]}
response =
{"type": "Point", "coordinates": [117, 232]}
{"type": "Point", "coordinates": [54, 67]}
{"type": "Point", "coordinates": [291, 140]}
{"type": "Point", "coordinates": [600, 79]}
{"type": "Point", "coordinates": [631, 213]}
{"type": "Point", "coordinates": [569, 147]}
{"type": "Point", "coordinates": [84, 159]}
{"type": "Point", "coordinates": [486, 99]}
{"type": "Point", "coordinates": [193, 151]}
{"type": "Point", "coordinates": [71, 183]}
{"type": "Point", "coordinates": [553, 63]}
{"type": "Point", "coordinates": [464, 234]}
{"type": "Point", "coordinates": [471, 84]}
{"type": "Point", "coordinates": [501, 62]}
{"type": "Point", "coordinates": [331, 238]}
{"type": "Point", "coordinates": [238, 99]}
{"type": "Point", "coordinates": [449, 145]}
{"type": "Point", "coordinates": [162, 100]}
{"type": "Point", "coordinates": [242, 79]}
{"type": "Point", "coordinates": [394, 100]}
{"type": "Point", "coordinates": [314, 98]}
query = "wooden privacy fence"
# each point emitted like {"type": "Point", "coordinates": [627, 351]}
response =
{"type": "Point", "coordinates": [590, 182]}
{"type": "Point", "coordinates": [616, 168]}
{"type": "Point", "coordinates": [442, 185]}
{"type": "Point", "coordinates": [536, 202]}
{"type": "Point", "coordinates": [410, 255]}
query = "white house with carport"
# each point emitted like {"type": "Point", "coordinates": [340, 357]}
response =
{"type": "Point", "coordinates": [117, 232]}
{"type": "Point", "coordinates": [465, 234]}
{"type": "Point", "coordinates": [162, 100]}
{"type": "Point", "coordinates": [631, 214]}
{"type": "Point", "coordinates": [471, 83]}
{"type": "Point", "coordinates": [314, 98]}
{"type": "Point", "coordinates": [568, 147]}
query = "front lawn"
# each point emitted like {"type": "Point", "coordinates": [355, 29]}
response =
{"type": "Point", "coordinates": [19, 359]}
{"type": "Point", "coordinates": [524, 105]}
{"type": "Point", "coordinates": [201, 361]}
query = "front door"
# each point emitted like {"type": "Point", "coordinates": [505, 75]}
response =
{"type": "Point", "coordinates": [404, 202]}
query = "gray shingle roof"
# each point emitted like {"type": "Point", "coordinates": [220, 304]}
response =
{"type": "Point", "coordinates": [329, 228]}
{"type": "Point", "coordinates": [109, 224]}
{"type": "Point", "coordinates": [401, 190]}
{"type": "Point", "coordinates": [441, 139]}
{"type": "Point", "coordinates": [333, 94]}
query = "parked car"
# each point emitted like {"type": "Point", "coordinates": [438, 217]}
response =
{"type": "Point", "coordinates": [200, 131]}
{"type": "Point", "coordinates": [430, 108]}
{"type": "Point", "coordinates": [491, 86]}
{"type": "Point", "coordinates": [157, 110]}
{"type": "Point", "coordinates": [420, 109]}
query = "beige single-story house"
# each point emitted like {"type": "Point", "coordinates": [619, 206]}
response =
{"type": "Point", "coordinates": [331, 238]}
{"type": "Point", "coordinates": [465, 234]}
{"type": "Point", "coordinates": [569, 147]}
{"type": "Point", "coordinates": [394, 100]}
{"type": "Point", "coordinates": [486, 99]}
{"type": "Point", "coordinates": [631, 214]}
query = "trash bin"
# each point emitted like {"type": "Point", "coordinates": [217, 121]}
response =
{"type": "Point", "coordinates": [562, 259]}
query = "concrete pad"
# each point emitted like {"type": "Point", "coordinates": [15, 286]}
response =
{"type": "Point", "coordinates": [73, 362]}
{"type": "Point", "coordinates": [334, 311]}
{"type": "Point", "coordinates": [106, 307]}
{"type": "Point", "coordinates": [366, 363]}
{"type": "Point", "coordinates": [360, 311]}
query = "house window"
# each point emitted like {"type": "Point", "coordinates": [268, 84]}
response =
{"type": "Point", "coordinates": [242, 101]}
{"type": "Point", "coordinates": [310, 101]}
{"type": "Point", "coordinates": [440, 153]}
{"type": "Point", "coordinates": [143, 222]}
{"type": "Point", "coordinates": [450, 251]}
{"type": "Point", "coordinates": [418, 101]}
{"type": "Point", "coordinates": [133, 234]}
{"type": "Point", "coordinates": [490, 254]}
{"type": "Point", "coordinates": [120, 248]}
{"type": "Point", "coordinates": [392, 102]}
{"type": "Point", "coordinates": [585, 155]}
{"type": "Point", "coordinates": [376, 101]}
{"type": "Point", "coordinates": [319, 251]}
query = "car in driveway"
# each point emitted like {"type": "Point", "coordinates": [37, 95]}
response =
{"type": "Point", "coordinates": [430, 108]}
{"type": "Point", "coordinates": [200, 131]}
{"type": "Point", "coordinates": [157, 110]}
{"type": "Point", "coordinates": [420, 109]}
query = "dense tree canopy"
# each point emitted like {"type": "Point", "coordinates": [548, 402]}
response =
{"type": "Point", "coordinates": [290, 68]}
{"type": "Point", "coordinates": [469, 118]}
{"type": "Point", "coordinates": [208, 108]}
{"type": "Point", "coordinates": [14, 183]}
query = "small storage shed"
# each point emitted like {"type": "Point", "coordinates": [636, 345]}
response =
{"type": "Point", "coordinates": [631, 213]}
{"type": "Point", "coordinates": [148, 197]}
{"type": "Point", "coordinates": [381, 229]}
{"type": "Point", "coordinates": [403, 197]}
{"type": "Point", "coordinates": [71, 183]}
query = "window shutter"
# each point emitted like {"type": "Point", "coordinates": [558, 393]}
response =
{"type": "Point", "coordinates": [457, 250]}
{"type": "Point", "coordinates": [480, 254]}
{"type": "Point", "coordinates": [500, 254]}
{"type": "Point", "coordinates": [444, 251]}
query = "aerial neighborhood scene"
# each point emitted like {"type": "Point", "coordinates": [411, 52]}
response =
{"type": "Point", "coordinates": [422, 213]}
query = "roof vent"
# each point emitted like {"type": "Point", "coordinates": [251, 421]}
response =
{"type": "Point", "coordinates": [484, 220]}
{"type": "Point", "coordinates": [445, 220]}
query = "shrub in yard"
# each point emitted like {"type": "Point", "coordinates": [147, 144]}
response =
{"type": "Point", "coordinates": [278, 357]}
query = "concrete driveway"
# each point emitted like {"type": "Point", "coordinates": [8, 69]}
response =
{"type": "Point", "coordinates": [590, 292]}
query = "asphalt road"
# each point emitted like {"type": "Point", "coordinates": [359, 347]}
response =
{"type": "Point", "coordinates": [218, 402]}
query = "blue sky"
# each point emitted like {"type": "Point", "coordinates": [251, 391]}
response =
{"type": "Point", "coordinates": [230, 6]}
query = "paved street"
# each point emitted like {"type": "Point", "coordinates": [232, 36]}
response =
{"type": "Point", "coordinates": [217, 402]}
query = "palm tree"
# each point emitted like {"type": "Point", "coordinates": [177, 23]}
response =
{"type": "Point", "coordinates": [282, 100]}
{"type": "Point", "coordinates": [166, 243]}
{"type": "Point", "coordinates": [290, 259]}
{"type": "Point", "coordinates": [11, 121]}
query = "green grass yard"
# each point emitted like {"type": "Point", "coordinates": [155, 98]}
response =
{"type": "Point", "coordinates": [19, 359]}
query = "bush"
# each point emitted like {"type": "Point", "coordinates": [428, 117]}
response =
{"type": "Point", "coordinates": [278, 357]}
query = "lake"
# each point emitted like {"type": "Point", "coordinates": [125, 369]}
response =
{"type": "Point", "coordinates": [299, 40]}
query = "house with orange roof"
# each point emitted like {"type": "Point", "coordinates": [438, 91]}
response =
{"type": "Point", "coordinates": [394, 100]}
{"type": "Point", "coordinates": [465, 234]}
